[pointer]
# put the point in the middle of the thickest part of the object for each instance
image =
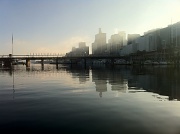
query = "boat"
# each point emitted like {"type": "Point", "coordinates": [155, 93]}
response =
{"type": "Point", "coordinates": [18, 63]}
{"type": "Point", "coordinates": [155, 63]}
{"type": "Point", "coordinates": [148, 62]}
{"type": "Point", "coordinates": [103, 61]}
{"type": "Point", "coordinates": [163, 63]}
{"type": "Point", "coordinates": [120, 62]}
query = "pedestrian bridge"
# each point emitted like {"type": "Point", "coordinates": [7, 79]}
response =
{"type": "Point", "coordinates": [9, 59]}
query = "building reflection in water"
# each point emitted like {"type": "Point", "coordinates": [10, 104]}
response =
{"type": "Point", "coordinates": [99, 77]}
{"type": "Point", "coordinates": [116, 80]}
{"type": "Point", "coordinates": [162, 80]}
{"type": "Point", "coordinates": [79, 72]}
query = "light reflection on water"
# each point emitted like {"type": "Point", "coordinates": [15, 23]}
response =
{"type": "Point", "coordinates": [123, 99]}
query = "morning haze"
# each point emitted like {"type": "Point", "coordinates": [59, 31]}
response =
{"type": "Point", "coordinates": [55, 27]}
{"type": "Point", "coordinates": [90, 66]}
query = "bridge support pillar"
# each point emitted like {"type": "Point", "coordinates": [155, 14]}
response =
{"type": "Point", "coordinates": [56, 63]}
{"type": "Point", "coordinates": [42, 64]}
{"type": "Point", "coordinates": [71, 62]}
{"type": "Point", "coordinates": [8, 62]}
{"type": "Point", "coordinates": [27, 62]}
{"type": "Point", "coordinates": [92, 61]}
{"type": "Point", "coordinates": [112, 62]}
{"type": "Point", "coordinates": [85, 63]}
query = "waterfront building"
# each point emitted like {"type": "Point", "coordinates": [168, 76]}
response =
{"type": "Point", "coordinates": [177, 34]}
{"type": "Point", "coordinates": [99, 47]}
{"type": "Point", "coordinates": [140, 44]}
{"type": "Point", "coordinates": [170, 36]}
{"type": "Point", "coordinates": [82, 50]}
{"type": "Point", "coordinates": [82, 44]}
{"type": "Point", "coordinates": [154, 40]}
{"type": "Point", "coordinates": [94, 48]}
{"type": "Point", "coordinates": [123, 36]}
{"type": "Point", "coordinates": [116, 44]}
{"type": "Point", "coordinates": [73, 49]}
{"type": "Point", "coordinates": [132, 45]}
{"type": "Point", "coordinates": [132, 38]}
{"type": "Point", "coordinates": [126, 50]}
{"type": "Point", "coordinates": [109, 47]}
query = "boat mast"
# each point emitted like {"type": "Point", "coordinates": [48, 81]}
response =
{"type": "Point", "coordinates": [12, 44]}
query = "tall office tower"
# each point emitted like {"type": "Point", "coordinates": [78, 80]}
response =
{"type": "Point", "coordinates": [116, 44]}
{"type": "Point", "coordinates": [82, 44]}
{"type": "Point", "coordinates": [94, 48]}
{"type": "Point", "coordinates": [123, 36]}
{"type": "Point", "coordinates": [132, 37]}
{"type": "Point", "coordinates": [99, 46]}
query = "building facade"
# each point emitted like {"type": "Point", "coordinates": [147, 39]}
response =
{"type": "Point", "coordinates": [154, 40]}
{"type": "Point", "coordinates": [82, 50]}
{"type": "Point", "coordinates": [99, 47]}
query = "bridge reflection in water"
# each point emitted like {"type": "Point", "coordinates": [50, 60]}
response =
{"type": "Point", "coordinates": [161, 80]}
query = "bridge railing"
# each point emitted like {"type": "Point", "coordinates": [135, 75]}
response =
{"type": "Point", "coordinates": [4, 56]}
{"type": "Point", "coordinates": [28, 56]}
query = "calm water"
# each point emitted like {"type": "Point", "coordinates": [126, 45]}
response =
{"type": "Point", "coordinates": [98, 100]}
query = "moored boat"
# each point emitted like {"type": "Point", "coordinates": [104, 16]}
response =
{"type": "Point", "coordinates": [148, 62]}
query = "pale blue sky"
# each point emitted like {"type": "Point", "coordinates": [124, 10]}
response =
{"type": "Point", "coordinates": [54, 26]}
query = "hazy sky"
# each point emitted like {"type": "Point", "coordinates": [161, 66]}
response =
{"type": "Point", "coordinates": [54, 26]}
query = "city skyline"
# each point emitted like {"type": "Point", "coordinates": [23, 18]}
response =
{"type": "Point", "coordinates": [56, 27]}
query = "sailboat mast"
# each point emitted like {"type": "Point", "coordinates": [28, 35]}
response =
{"type": "Point", "coordinates": [12, 44]}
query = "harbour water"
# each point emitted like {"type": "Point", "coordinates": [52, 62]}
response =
{"type": "Point", "coordinates": [99, 99]}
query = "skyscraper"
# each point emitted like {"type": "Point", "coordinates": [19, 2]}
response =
{"type": "Point", "coordinates": [123, 36]}
{"type": "Point", "coordinates": [99, 46]}
{"type": "Point", "coordinates": [117, 41]}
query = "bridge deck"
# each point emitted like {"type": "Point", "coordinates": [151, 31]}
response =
{"type": "Point", "coordinates": [40, 57]}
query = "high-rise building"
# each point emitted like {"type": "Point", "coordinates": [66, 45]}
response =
{"type": "Point", "coordinates": [132, 37]}
{"type": "Point", "coordinates": [116, 44]}
{"type": "Point", "coordinates": [109, 47]}
{"type": "Point", "coordinates": [73, 49]}
{"type": "Point", "coordinates": [82, 44]}
{"type": "Point", "coordinates": [82, 50]}
{"type": "Point", "coordinates": [159, 39]}
{"type": "Point", "coordinates": [123, 36]}
{"type": "Point", "coordinates": [99, 46]}
{"type": "Point", "coordinates": [94, 48]}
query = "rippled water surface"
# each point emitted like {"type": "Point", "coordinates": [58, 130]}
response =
{"type": "Point", "coordinates": [71, 99]}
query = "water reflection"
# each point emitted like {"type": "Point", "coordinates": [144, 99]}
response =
{"type": "Point", "coordinates": [100, 79]}
{"type": "Point", "coordinates": [78, 72]}
{"type": "Point", "coordinates": [45, 102]}
{"type": "Point", "coordinates": [13, 83]}
{"type": "Point", "coordinates": [161, 80]}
